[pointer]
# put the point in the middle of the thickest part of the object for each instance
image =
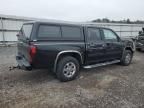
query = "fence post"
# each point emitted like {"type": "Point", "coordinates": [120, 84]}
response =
{"type": "Point", "coordinates": [131, 30]}
{"type": "Point", "coordinates": [2, 31]}
{"type": "Point", "coordinates": [120, 30]}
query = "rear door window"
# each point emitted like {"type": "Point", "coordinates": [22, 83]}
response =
{"type": "Point", "coordinates": [48, 31]}
{"type": "Point", "coordinates": [71, 32]}
{"type": "Point", "coordinates": [94, 34]}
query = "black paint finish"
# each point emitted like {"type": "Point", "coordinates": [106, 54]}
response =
{"type": "Point", "coordinates": [49, 51]}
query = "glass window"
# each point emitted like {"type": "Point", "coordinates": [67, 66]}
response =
{"type": "Point", "coordinates": [47, 31]}
{"type": "Point", "coordinates": [27, 29]}
{"type": "Point", "coordinates": [109, 35]}
{"type": "Point", "coordinates": [94, 34]}
{"type": "Point", "coordinates": [71, 32]}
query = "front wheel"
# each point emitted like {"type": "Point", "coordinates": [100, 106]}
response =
{"type": "Point", "coordinates": [127, 57]}
{"type": "Point", "coordinates": [67, 69]}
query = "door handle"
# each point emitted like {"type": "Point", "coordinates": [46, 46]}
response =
{"type": "Point", "coordinates": [108, 44]}
{"type": "Point", "coordinates": [90, 44]}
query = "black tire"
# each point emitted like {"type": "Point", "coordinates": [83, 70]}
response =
{"type": "Point", "coordinates": [126, 58]}
{"type": "Point", "coordinates": [62, 75]}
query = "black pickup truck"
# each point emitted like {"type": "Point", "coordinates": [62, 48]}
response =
{"type": "Point", "coordinates": [65, 48]}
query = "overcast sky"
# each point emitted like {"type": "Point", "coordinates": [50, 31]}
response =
{"type": "Point", "coordinates": [74, 10]}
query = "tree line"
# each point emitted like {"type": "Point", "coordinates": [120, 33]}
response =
{"type": "Point", "coordinates": [127, 21]}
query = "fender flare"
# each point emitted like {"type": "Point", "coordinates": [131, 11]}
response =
{"type": "Point", "coordinates": [125, 49]}
{"type": "Point", "coordinates": [64, 52]}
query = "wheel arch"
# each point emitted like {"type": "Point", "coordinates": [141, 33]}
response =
{"type": "Point", "coordinates": [74, 53]}
{"type": "Point", "coordinates": [129, 48]}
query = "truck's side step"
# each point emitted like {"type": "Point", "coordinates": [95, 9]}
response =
{"type": "Point", "coordinates": [101, 64]}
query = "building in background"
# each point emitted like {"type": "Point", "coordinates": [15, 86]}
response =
{"type": "Point", "coordinates": [10, 25]}
{"type": "Point", "coordinates": [123, 30]}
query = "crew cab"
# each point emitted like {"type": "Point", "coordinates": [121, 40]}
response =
{"type": "Point", "coordinates": [65, 48]}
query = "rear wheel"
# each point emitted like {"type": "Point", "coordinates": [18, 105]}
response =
{"type": "Point", "coordinates": [67, 69]}
{"type": "Point", "coordinates": [127, 57]}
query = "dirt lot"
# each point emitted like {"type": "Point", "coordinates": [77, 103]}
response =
{"type": "Point", "coordinates": [112, 86]}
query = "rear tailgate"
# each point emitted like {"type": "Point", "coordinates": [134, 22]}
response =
{"type": "Point", "coordinates": [23, 50]}
{"type": "Point", "coordinates": [23, 42]}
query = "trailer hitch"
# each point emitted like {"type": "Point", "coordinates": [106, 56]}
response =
{"type": "Point", "coordinates": [14, 67]}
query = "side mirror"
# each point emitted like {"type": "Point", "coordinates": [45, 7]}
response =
{"type": "Point", "coordinates": [119, 39]}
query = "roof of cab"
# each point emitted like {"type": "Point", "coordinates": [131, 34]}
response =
{"type": "Point", "coordinates": [66, 23]}
{"type": "Point", "coordinates": [55, 22]}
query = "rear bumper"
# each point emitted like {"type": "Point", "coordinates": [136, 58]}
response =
{"type": "Point", "coordinates": [23, 63]}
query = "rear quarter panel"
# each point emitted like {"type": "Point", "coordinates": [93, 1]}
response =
{"type": "Point", "coordinates": [48, 50]}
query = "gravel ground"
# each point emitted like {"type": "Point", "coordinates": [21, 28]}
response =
{"type": "Point", "coordinates": [112, 86]}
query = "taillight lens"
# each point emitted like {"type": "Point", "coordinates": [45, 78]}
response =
{"type": "Point", "coordinates": [33, 51]}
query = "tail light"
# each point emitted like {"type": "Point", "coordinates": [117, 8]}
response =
{"type": "Point", "coordinates": [33, 51]}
